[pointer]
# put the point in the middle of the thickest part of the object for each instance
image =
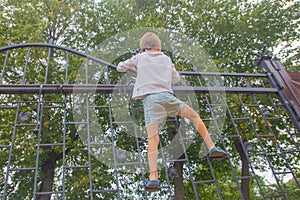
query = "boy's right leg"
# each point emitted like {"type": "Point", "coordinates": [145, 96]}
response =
{"type": "Point", "coordinates": [153, 142]}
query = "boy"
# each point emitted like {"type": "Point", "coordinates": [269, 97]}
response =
{"type": "Point", "coordinates": [155, 75]}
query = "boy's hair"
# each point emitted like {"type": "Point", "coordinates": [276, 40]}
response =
{"type": "Point", "coordinates": [148, 41]}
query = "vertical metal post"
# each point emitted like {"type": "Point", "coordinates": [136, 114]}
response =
{"type": "Point", "coordinates": [4, 68]}
{"type": "Point", "coordinates": [280, 79]}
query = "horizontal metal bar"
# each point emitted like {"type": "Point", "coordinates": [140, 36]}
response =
{"type": "Point", "coordinates": [176, 160]}
{"type": "Point", "coordinates": [246, 177]}
{"type": "Point", "coordinates": [52, 107]}
{"type": "Point", "coordinates": [291, 151]}
{"type": "Point", "coordinates": [8, 107]}
{"type": "Point", "coordinates": [258, 154]}
{"type": "Point", "coordinates": [274, 196]}
{"type": "Point", "coordinates": [232, 136]}
{"type": "Point", "coordinates": [73, 123]}
{"type": "Point", "coordinates": [46, 193]}
{"type": "Point", "coordinates": [22, 169]}
{"type": "Point", "coordinates": [123, 122]}
{"type": "Point", "coordinates": [4, 146]}
{"type": "Point", "coordinates": [103, 191]}
{"type": "Point", "coordinates": [264, 136]}
{"type": "Point", "coordinates": [49, 145]}
{"type": "Point", "coordinates": [129, 163]}
{"type": "Point", "coordinates": [204, 182]}
{"type": "Point", "coordinates": [279, 173]}
{"type": "Point", "coordinates": [99, 107]}
{"type": "Point", "coordinates": [189, 138]}
{"type": "Point", "coordinates": [75, 89]}
{"type": "Point", "coordinates": [240, 118]}
{"type": "Point", "coordinates": [25, 124]}
{"type": "Point", "coordinates": [93, 145]}
{"type": "Point", "coordinates": [223, 74]}
{"type": "Point", "coordinates": [76, 167]}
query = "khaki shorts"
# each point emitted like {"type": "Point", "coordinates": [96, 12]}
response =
{"type": "Point", "coordinates": [160, 105]}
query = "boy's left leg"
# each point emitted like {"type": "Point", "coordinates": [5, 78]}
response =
{"type": "Point", "coordinates": [189, 113]}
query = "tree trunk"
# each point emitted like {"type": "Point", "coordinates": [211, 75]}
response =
{"type": "Point", "coordinates": [48, 167]}
{"type": "Point", "coordinates": [245, 182]}
{"type": "Point", "coordinates": [178, 181]}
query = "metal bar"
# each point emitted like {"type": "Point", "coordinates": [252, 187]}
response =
{"type": "Point", "coordinates": [101, 191]}
{"type": "Point", "coordinates": [66, 81]}
{"type": "Point", "coordinates": [238, 84]}
{"type": "Point", "coordinates": [23, 80]}
{"type": "Point", "coordinates": [16, 46]}
{"type": "Point", "coordinates": [11, 151]}
{"type": "Point", "coordinates": [89, 147]}
{"type": "Point", "coordinates": [204, 182]}
{"type": "Point", "coordinates": [127, 164]}
{"type": "Point", "coordinates": [283, 156]}
{"type": "Point", "coordinates": [77, 167]}
{"type": "Point", "coordinates": [248, 115]}
{"type": "Point", "coordinates": [114, 150]}
{"type": "Point", "coordinates": [101, 144]}
{"type": "Point", "coordinates": [4, 146]}
{"type": "Point", "coordinates": [47, 66]}
{"type": "Point", "coordinates": [165, 167]}
{"type": "Point", "coordinates": [89, 57]}
{"type": "Point", "coordinates": [209, 104]}
{"type": "Point", "coordinates": [75, 123]}
{"type": "Point", "coordinates": [50, 145]}
{"type": "Point", "coordinates": [238, 137]}
{"type": "Point", "coordinates": [22, 169]}
{"type": "Point", "coordinates": [45, 193]}
{"type": "Point", "coordinates": [182, 124]}
{"type": "Point", "coordinates": [176, 160]}
{"type": "Point", "coordinates": [138, 144]}
{"type": "Point", "coordinates": [279, 79]}
{"type": "Point", "coordinates": [219, 74]}
{"type": "Point", "coordinates": [39, 122]}
{"type": "Point", "coordinates": [25, 124]}
{"type": "Point", "coordinates": [278, 146]}
{"type": "Point", "coordinates": [105, 89]}
{"type": "Point", "coordinates": [223, 144]}
{"type": "Point", "coordinates": [63, 181]}
{"type": "Point", "coordinates": [4, 67]}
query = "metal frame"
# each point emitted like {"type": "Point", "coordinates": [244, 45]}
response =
{"type": "Point", "coordinates": [241, 88]}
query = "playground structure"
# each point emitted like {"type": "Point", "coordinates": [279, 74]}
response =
{"type": "Point", "coordinates": [260, 109]}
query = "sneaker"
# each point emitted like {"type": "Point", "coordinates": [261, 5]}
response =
{"type": "Point", "coordinates": [217, 153]}
{"type": "Point", "coordinates": [152, 185]}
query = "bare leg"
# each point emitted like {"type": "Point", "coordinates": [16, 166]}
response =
{"type": "Point", "coordinates": [153, 142]}
{"type": "Point", "coordinates": [192, 115]}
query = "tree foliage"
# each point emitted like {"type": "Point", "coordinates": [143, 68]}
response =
{"type": "Point", "coordinates": [228, 30]}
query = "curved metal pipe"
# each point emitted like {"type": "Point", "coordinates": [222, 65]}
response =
{"type": "Point", "coordinates": [24, 45]}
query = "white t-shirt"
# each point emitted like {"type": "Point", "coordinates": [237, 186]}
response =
{"type": "Point", "coordinates": [156, 73]}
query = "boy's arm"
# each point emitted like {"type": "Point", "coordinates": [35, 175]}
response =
{"type": "Point", "coordinates": [128, 65]}
{"type": "Point", "coordinates": [175, 75]}
{"type": "Point", "coordinates": [131, 70]}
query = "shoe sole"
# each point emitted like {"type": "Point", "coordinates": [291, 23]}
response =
{"type": "Point", "coordinates": [218, 155]}
{"type": "Point", "coordinates": [152, 188]}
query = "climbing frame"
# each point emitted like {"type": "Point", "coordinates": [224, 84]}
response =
{"type": "Point", "coordinates": [66, 135]}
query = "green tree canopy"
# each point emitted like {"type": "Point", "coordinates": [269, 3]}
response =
{"type": "Point", "coordinates": [228, 30]}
